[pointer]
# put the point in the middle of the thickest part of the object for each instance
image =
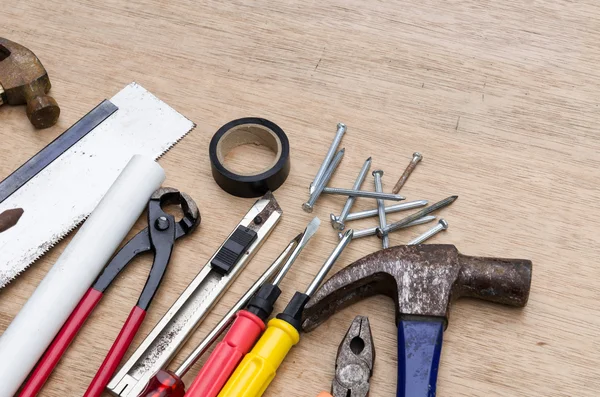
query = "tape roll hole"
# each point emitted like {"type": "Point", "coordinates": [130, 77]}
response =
{"type": "Point", "coordinates": [249, 149]}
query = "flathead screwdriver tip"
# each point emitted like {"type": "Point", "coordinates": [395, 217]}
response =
{"type": "Point", "coordinates": [300, 241]}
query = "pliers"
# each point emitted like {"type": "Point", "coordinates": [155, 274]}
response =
{"type": "Point", "coordinates": [354, 362]}
{"type": "Point", "coordinates": [159, 237]}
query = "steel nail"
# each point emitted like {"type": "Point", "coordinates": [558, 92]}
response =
{"type": "Point", "coordinates": [308, 206]}
{"type": "Point", "coordinates": [373, 230]}
{"type": "Point", "coordinates": [385, 239]}
{"type": "Point", "coordinates": [388, 210]}
{"type": "Point", "coordinates": [341, 130]}
{"type": "Point", "coordinates": [338, 222]}
{"type": "Point", "coordinates": [363, 193]}
{"type": "Point", "coordinates": [425, 211]}
{"type": "Point", "coordinates": [442, 225]}
{"type": "Point", "coordinates": [409, 169]}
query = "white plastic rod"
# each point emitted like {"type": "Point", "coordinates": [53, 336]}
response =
{"type": "Point", "coordinates": [42, 316]}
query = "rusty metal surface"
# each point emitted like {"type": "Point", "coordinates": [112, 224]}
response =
{"type": "Point", "coordinates": [24, 81]}
{"type": "Point", "coordinates": [422, 280]}
{"type": "Point", "coordinates": [355, 360]}
{"type": "Point", "coordinates": [392, 227]}
{"type": "Point", "coordinates": [417, 157]}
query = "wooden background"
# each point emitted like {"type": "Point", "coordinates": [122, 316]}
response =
{"type": "Point", "coordinates": [500, 96]}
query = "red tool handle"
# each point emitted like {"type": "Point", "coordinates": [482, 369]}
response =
{"type": "Point", "coordinates": [226, 356]}
{"type": "Point", "coordinates": [61, 342]}
{"type": "Point", "coordinates": [164, 384]}
{"type": "Point", "coordinates": [116, 353]}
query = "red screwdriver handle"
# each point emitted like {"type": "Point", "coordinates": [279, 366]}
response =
{"type": "Point", "coordinates": [61, 342]}
{"type": "Point", "coordinates": [226, 356]}
{"type": "Point", "coordinates": [164, 384]}
{"type": "Point", "coordinates": [116, 353]}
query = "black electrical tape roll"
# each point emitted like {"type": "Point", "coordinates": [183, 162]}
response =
{"type": "Point", "coordinates": [250, 130]}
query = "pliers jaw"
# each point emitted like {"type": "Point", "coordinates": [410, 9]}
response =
{"type": "Point", "coordinates": [355, 360]}
{"type": "Point", "coordinates": [148, 239]}
{"type": "Point", "coordinates": [162, 232]}
{"type": "Point", "coordinates": [191, 215]}
{"type": "Point", "coordinates": [158, 238]}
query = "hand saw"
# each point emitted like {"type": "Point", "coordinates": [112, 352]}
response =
{"type": "Point", "coordinates": [57, 189]}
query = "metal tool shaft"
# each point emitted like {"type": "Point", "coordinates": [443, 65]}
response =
{"type": "Point", "coordinates": [338, 223]}
{"type": "Point", "coordinates": [164, 341]}
{"type": "Point", "coordinates": [310, 230]}
{"type": "Point", "coordinates": [425, 211]}
{"type": "Point", "coordinates": [373, 230]}
{"type": "Point", "coordinates": [214, 334]}
{"type": "Point", "coordinates": [362, 193]}
{"type": "Point", "coordinates": [388, 210]}
{"type": "Point", "coordinates": [385, 239]}
{"type": "Point", "coordinates": [308, 206]}
{"type": "Point", "coordinates": [341, 130]}
{"type": "Point", "coordinates": [442, 225]}
{"type": "Point", "coordinates": [329, 262]}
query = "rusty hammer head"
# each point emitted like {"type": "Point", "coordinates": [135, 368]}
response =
{"type": "Point", "coordinates": [423, 280]}
{"type": "Point", "coordinates": [23, 80]}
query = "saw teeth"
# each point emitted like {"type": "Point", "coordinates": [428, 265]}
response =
{"type": "Point", "coordinates": [145, 119]}
{"type": "Point", "coordinates": [61, 237]}
{"type": "Point", "coordinates": [42, 252]}
{"type": "Point", "coordinates": [176, 141]}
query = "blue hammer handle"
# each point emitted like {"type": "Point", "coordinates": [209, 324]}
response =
{"type": "Point", "coordinates": [419, 350]}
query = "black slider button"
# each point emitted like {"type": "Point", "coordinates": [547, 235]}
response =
{"type": "Point", "coordinates": [233, 249]}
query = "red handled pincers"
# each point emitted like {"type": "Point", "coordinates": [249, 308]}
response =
{"type": "Point", "coordinates": [158, 237]}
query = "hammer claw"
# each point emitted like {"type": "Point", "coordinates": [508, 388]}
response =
{"type": "Point", "coordinates": [23, 80]}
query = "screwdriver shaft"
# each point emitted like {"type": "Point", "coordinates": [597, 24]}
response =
{"type": "Point", "coordinates": [303, 239]}
{"type": "Point", "coordinates": [222, 325]}
{"type": "Point", "coordinates": [329, 262]}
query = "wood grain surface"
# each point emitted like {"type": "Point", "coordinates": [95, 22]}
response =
{"type": "Point", "coordinates": [501, 97]}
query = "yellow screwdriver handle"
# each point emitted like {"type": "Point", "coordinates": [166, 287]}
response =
{"type": "Point", "coordinates": [256, 371]}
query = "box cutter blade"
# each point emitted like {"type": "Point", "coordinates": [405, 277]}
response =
{"type": "Point", "coordinates": [192, 306]}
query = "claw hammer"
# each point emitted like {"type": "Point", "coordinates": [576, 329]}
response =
{"type": "Point", "coordinates": [423, 280]}
{"type": "Point", "coordinates": [23, 80]}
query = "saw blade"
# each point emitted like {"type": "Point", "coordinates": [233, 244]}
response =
{"type": "Point", "coordinates": [62, 195]}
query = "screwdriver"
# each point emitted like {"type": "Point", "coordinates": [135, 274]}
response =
{"type": "Point", "coordinates": [245, 330]}
{"type": "Point", "coordinates": [258, 368]}
{"type": "Point", "coordinates": [170, 384]}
